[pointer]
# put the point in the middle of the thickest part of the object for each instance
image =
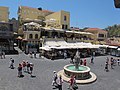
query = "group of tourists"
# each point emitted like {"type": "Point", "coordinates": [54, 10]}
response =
{"type": "Point", "coordinates": [58, 81]}
{"type": "Point", "coordinates": [32, 54]}
{"type": "Point", "coordinates": [111, 62]}
{"type": "Point", "coordinates": [2, 54]}
{"type": "Point", "coordinates": [25, 66]}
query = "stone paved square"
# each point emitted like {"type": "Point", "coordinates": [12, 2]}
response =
{"type": "Point", "coordinates": [43, 70]}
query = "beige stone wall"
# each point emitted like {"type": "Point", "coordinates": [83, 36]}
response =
{"type": "Point", "coordinates": [59, 19]}
{"type": "Point", "coordinates": [4, 14]}
{"type": "Point", "coordinates": [67, 22]}
{"type": "Point", "coordinates": [27, 13]}
{"type": "Point", "coordinates": [53, 20]}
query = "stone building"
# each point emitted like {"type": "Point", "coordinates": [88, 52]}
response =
{"type": "Point", "coordinates": [4, 14]}
{"type": "Point", "coordinates": [33, 23]}
{"type": "Point", "coordinates": [6, 31]}
{"type": "Point", "coordinates": [6, 37]}
{"type": "Point", "coordinates": [99, 34]}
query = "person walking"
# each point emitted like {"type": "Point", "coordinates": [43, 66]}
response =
{"type": "Point", "coordinates": [34, 54]}
{"type": "Point", "coordinates": [11, 63]}
{"type": "Point", "coordinates": [3, 53]}
{"type": "Point", "coordinates": [59, 83]}
{"type": "Point", "coordinates": [74, 86]}
{"type": "Point", "coordinates": [54, 82]}
{"type": "Point", "coordinates": [81, 62]}
{"type": "Point", "coordinates": [71, 81]}
{"type": "Point", "coordinates": [24, 65]}
{"type": "Point", "coordinates": [106, 66]}
{"type": "Point", "coordinates": [72, 57]}
{"type": "Point", "coordinates": [20, 70]}
{"type": "Point", "coordinates": [84, 62]}
{"type": "Point", "coordinates": [65, 54]}
{"type": "Point", "coordinates": [118, 61]}
{"type": "Point", "coordinates": [31, 55]}
{"type": "Point", "coordinates": [111, 63]}
{"type": "Point", "coordinates": [92, 60]}
{"type": "Point", "coordinates": [31, 69]}
{"type": "Point", "coordinates": [28, 67]}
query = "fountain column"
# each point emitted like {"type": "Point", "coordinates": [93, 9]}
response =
{"type": "Point", "coordinates": [77, 60]}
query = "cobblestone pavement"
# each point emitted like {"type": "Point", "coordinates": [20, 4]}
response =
{"type": "Point", "coordinates": [43, 70]}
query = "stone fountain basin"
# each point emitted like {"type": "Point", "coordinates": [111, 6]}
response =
{"type": "Point", "coordinates": [81, 74]}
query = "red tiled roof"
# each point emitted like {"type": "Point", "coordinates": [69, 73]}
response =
{"type": "Point", "coordinates": [95, 29]}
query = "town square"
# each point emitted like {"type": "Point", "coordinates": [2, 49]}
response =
{"type": "Point", "coordinates": [59, 45]}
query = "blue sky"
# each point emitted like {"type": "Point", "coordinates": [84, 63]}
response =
{"type": "Point", "coordinates": [83, 13]}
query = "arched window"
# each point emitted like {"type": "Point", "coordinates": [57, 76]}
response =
{"type": "Point", "coordinates": [36, 36]}
{"type": "Point", "coordinates": [31, 36]}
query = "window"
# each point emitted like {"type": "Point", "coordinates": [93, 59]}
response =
{"type": "Point", "coordinates": [30, 36]}
{"type": "Point", "coordinates": [101, 35]}
{"type": "Point", "coordinates": [65, 18]}
{"type": "Point", "coordinates": [36, 36]}
{"type": "Point", "coordinates": [63, 26]}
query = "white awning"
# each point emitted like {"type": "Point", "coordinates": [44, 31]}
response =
{"type": "Point", "coordinates": [65, 45]}
{"type": "Point", "coordinates": [69, 31]}
{"type": "Point", "coordinates": [45, 48]}
{"type": "Point", "coordinates": [118, 49]}
{"type": "Point", "coordinates": [32, 23]}
{"type": "Point", "coordinates": [51, 43]}
{"type": "Point", "coordinates": [105, 46]}
{"type": "Point", "coordinates": [82, 33]}
{"type": "Point", "coordinates": [115, 47]}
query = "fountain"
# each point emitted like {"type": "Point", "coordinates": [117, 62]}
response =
{"type": "Point", "coordinates": [81, 72]}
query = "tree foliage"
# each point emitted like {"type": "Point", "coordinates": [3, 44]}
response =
{"type": "Point", "coordinates": [113, 30]}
